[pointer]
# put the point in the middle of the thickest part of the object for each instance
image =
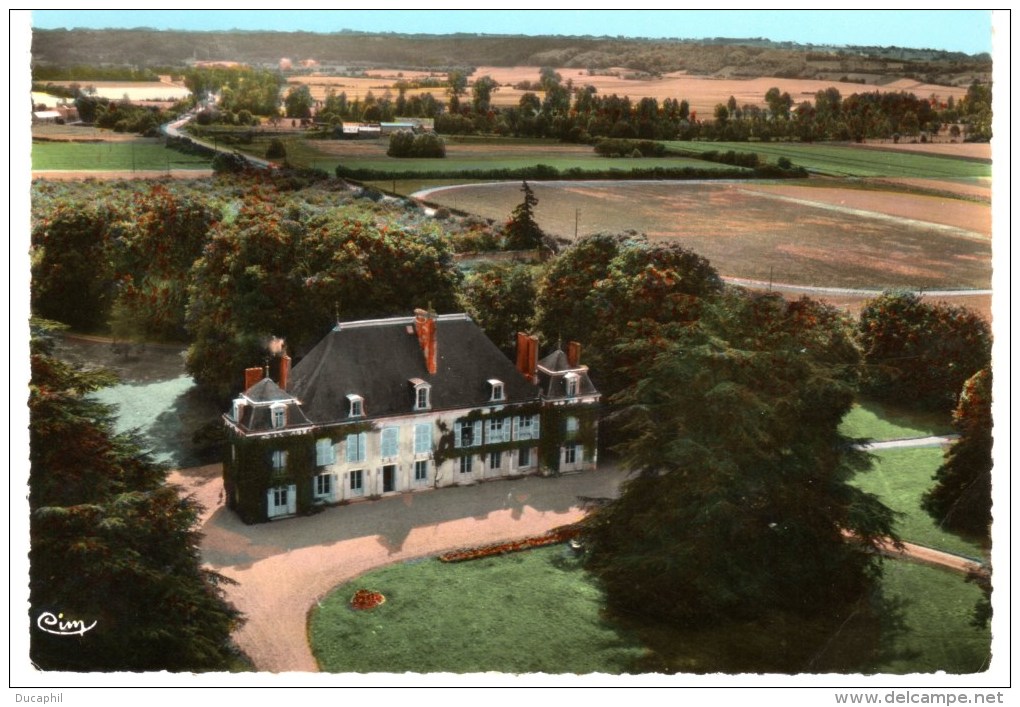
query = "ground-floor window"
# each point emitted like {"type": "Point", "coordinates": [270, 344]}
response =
{"type": "Point", "coordinates": [323, 485]}
{"type": "Point", "coordinates": [389, 478]}
{"type": "Point", "coordinates": [495, 460]}
{"type": "Point", "coordinates": [524, 457]}
{"type": "Point", "coordinates": [570, 454]}
{"type": "Point", "coordinates": [357, 482]}
{"type": "Point", "coordinates": [421, 470]}
{"type": "Point", "coordinates": [466, 463]}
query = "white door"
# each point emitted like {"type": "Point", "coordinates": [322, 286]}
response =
{"type": "Point", "coordinates": [282, 501]}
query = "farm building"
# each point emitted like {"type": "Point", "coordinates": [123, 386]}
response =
{"type": "Point", "coordinates": [391, 406]}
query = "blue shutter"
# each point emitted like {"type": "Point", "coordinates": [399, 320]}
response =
{"type": "Point", "coordinates": [422, 439]}
{"type": "Point", "coordinates": [478, 434]}
{"type": "Point", "coordinates": [390, 442]}
{"type": "Point", "coordinates": [356, 447]}
{"type": "Point", "coordinates": [324, 452]}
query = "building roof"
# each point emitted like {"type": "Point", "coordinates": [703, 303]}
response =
{"type": "Point", "coordinates": [261, 399]}
{"type": "Point", "coordinates": [378, 360]}
{"type": "Point", "coordinates": [552, 374]}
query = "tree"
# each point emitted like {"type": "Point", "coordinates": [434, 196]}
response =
{"type": "Point", "coordinates": [961, 498]}
{"type": "Point", "coordinates": [279, 271]}
{"type": "Point", "coordinates": [921, 353]}
{"type": "Point", "coordinates": [522, 231]}
{"type": "Point", "coordinates": [500, 297]}
{"type": "Point", "coordinates": [609, 287]}
{"type": "Point", "coordinates": [481, 93]}
{"type": "Point", "coordinates": [740, 506]}
{"type": "Point", "coordinates": [276, 149]}
{"type": "Point", "coordinates": [112, 545]}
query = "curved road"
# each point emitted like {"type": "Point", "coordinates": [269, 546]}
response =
{"type": "Point", "coordinates": [283, 568]}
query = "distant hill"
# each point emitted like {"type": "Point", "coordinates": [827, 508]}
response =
{"type": "Point", "coordinates": [750, 57]}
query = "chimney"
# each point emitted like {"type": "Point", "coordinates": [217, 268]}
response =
{"type": "Point", "coordinates": [527, 355]}
{"type": "Point", "coordinates": [252, 376]}
{"type": "Point", "coordinates": [284, 371]}
{"type": "Point", "coordinates": [425, 328]}
{"type": "Point", "coordinates": [574, 354]}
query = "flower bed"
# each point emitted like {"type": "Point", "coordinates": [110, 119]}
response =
{"type": "Point", "coordinates": [364, 599]}
{"type": "Point", "coordinates": [554, 536]}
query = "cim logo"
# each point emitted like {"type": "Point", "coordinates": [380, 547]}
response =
{"type": "Point", "coordinates": [58, 627]}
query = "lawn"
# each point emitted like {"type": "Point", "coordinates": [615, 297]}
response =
{"type": "Point", "coordinates": [530, 612]}
{"type": "Point", "coordinates": [538, 611]}
{"type": "Point", "coordinates": [880, 421]}
{"type": "Point", "coordinates": [850, 161]}
{"type": "Point", "coordinates": [112, 156]}
{"type": "Point", "coordinates": [900, 477]}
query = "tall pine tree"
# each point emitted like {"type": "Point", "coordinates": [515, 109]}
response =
{"type": "Point", "coordinates": [112, 545]}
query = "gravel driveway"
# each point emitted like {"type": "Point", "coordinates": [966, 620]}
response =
{"type": "Point", "coordinates": [283, 567]}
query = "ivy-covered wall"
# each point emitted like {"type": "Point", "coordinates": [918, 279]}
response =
{"type": "Point", "coordinates": [555, 435]}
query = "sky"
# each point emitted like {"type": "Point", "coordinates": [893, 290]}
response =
{"type": "Point", "coordinates": [968, 31]}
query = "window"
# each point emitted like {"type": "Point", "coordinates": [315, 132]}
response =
{"type": "Point", "coordinates": [524, 457]}
{"type": "Point", "coordinates": [421, 470]}
{"type": "Point", "coordinates": [499, 431]}
{"type": "Point", "coordinates": [466, 464]}
{"type": "Point", "coordinates": [469, 433]}
{"type": "Point", "coordinates": [356, 447]}
{"type": "Point", "coordinates": [421, 394]}
{"type": "Point", "coordinates": [356, 405]}
{"type": "Point", "coordinates": [280, 496]}
{"type": "Point", "coordinates": [279, 416]}
{"type": "Point", "coordinates": [495, 389]}
{"type": "Point", "coordinates": [324, 452]}
{"type": "Point", "coordinates": [389, 446]}
{"type": "Point", "coordinates": [495, 460]}
{"type": "Point", "coordinates": [572, 425]}
{"type": "Point", "coordinates": [323, 485]}
{"type": "Point", "coordinates": [571, 383]}
{"type": "Point", "coordinates": [238, 409]}
{"type": "Point", "coordinates": [279, 461]}
{"type": "Point", "coordinates": [422, 438]}
{"type": "Point", "coordinates": [527, 427]}
{"type": "Point", "coordinates": [570, 454]}
{"type": "Point", "coordinates": [357, 482]}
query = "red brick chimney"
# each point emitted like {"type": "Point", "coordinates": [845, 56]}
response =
{"type": "Point", "coordinates": [527, 355]}
{"type": "Point", "coordinates": [425, 328]}
{"type": "Point", "coordinates": [252, 376]}
{"type": "Point", "coordinates": [574, 354]}
{"type": "Point", "coordinates": [284, 371]}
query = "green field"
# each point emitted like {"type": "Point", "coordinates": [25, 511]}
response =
{"type": "Point", "coordinates": [467, 155]}
{"type": "Point", "coordinates": [111, 156]}
{"type": "Point", "coordinates": [850, 161]}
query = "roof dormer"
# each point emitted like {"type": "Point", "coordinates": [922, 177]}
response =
{"type": "Point", "coordinates": [497, 391]}
{"type": "Point", "coordinates": [422, 394]}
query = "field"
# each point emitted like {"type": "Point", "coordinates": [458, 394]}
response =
{"type": "Point", "coordinates": [703, 93]}
{"type": "Point", "coordinates": [473, 154]}
{"type": "Point", "coordinates": [790, 234]}
{"type": "Point", "coordinates": [854, 161]}
{"type": "Point", "coordinates": [134, 155]}
{"type": "Point", "coordinates": [134, 90]}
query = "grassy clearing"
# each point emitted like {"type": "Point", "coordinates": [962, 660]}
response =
{"type": "Point", "coordinates": [850, 161]}
{"type": "Point", "coordinates": [116, 156]}
{"type": "Point", "coordinates": [528, 612]}
{"type": "Point", "coordinates": [878, 421]}
{"type": "Point", "coordinates": [900, 477]}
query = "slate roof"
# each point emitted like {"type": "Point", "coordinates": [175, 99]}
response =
{"type": "Point", "coordinates": [552, 373]}
{"type": "Point", "coordinates": [377, 359]}
{"type": "Point", "coordinates": [258, 417]}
